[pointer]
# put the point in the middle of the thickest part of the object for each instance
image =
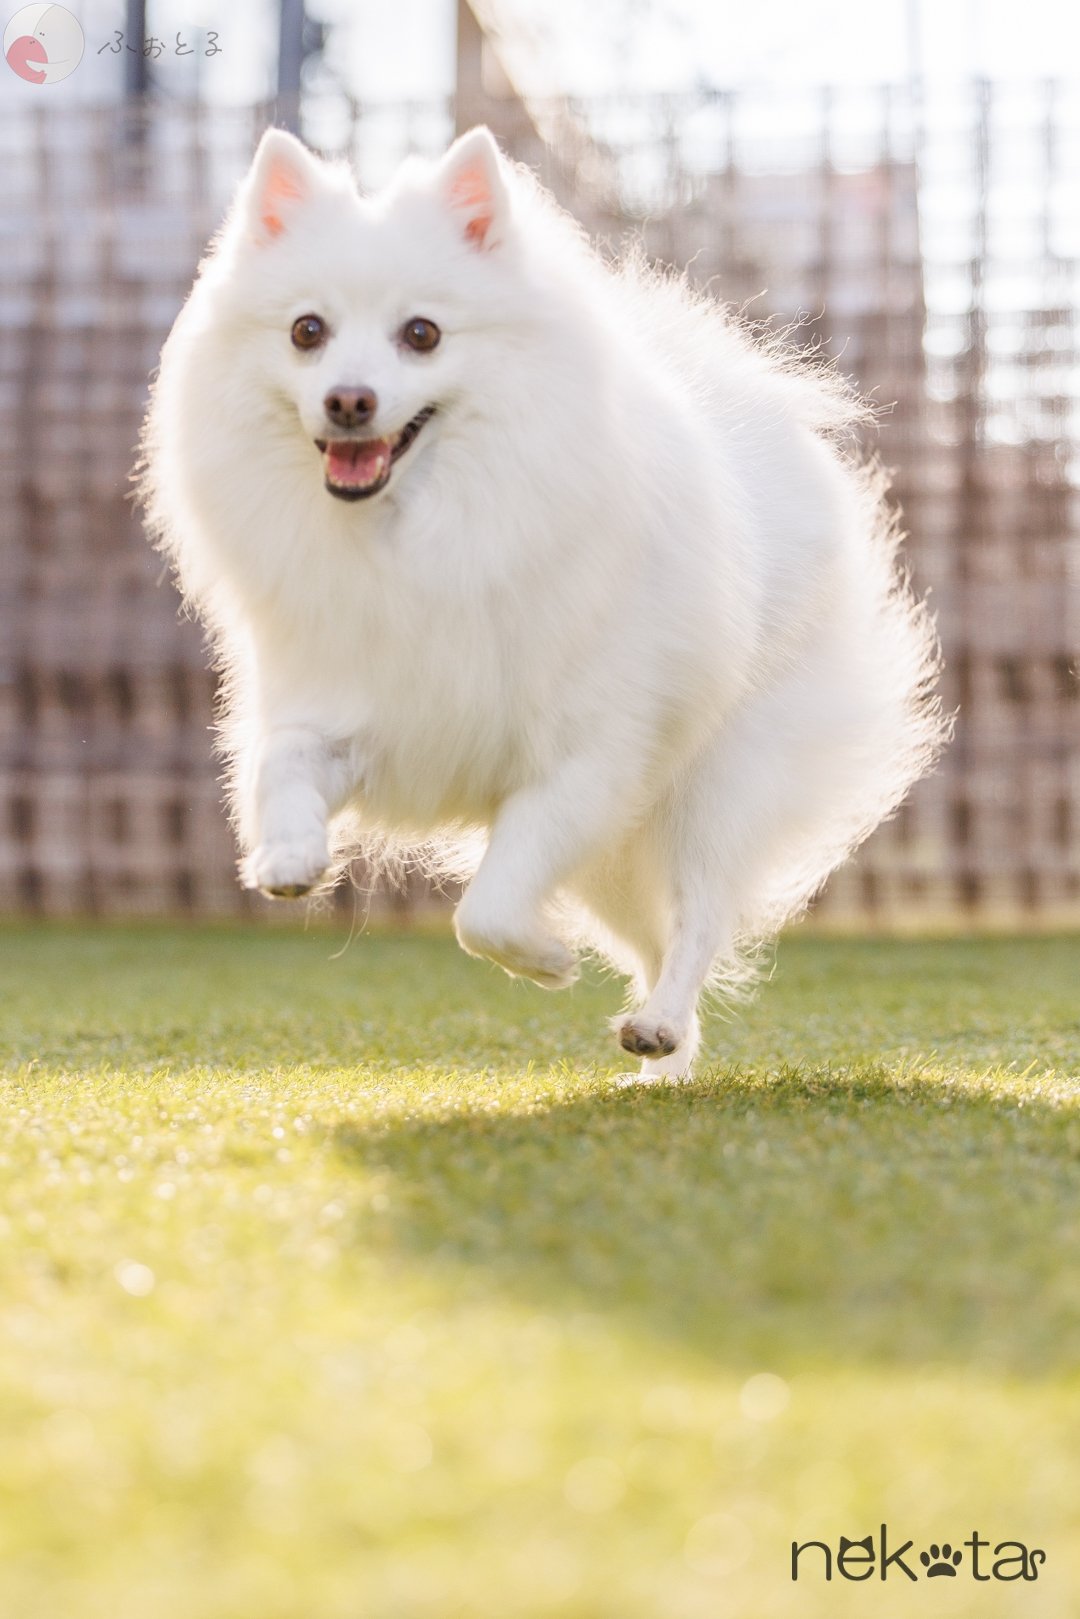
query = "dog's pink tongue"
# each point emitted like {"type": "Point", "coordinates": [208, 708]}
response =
{"type": "Point", "coordinates": [357, 465]}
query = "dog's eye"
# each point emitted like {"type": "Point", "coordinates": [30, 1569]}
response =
{"type": "Point", "coordinates": [420, 334]}
{"type": "Point", "coordinates": [309, 331]}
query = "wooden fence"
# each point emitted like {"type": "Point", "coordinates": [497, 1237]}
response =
{"type": "Point", "coordinates": [933, 239]}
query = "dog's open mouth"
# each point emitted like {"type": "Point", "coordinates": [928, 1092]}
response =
{"type": "Point", "coordinates": [355, 468]}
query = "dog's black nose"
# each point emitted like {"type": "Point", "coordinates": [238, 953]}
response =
{"type": "Point", "coordinates": [350, 407]}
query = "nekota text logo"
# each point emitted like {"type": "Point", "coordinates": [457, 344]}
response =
{"type": "Point", "coordinates": [861, 1559]}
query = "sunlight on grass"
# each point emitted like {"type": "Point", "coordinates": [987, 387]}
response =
{"type": "Point", "coordinates": [356, 1289]}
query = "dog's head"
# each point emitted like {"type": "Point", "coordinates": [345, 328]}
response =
{"type": "Point", "coordinates": [361, 321]}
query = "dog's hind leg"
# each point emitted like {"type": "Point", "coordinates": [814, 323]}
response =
{"type": "Point", "coordinates": [711, 842]}
{"type": "Point", "coordinates": [642, 928]}
{"type": "Point", "coordinates": [747, 835]}
{"type": "Point", "coordinates": [665, 1030]}
{"type": "Point", "coordinates": [628, 908]}
{"type": "Point", "coordinates": [715, 839]}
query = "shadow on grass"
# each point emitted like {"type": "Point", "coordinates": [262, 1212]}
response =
{"type": "Point", "coordinates": [813, 1218]}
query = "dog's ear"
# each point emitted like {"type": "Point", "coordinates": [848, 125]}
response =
{"type": "Point", "coordinates": [471, 180]}
{"type": "Point", "coordinates": [283, 175]}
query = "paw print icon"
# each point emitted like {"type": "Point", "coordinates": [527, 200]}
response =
{"type": "Point", "coordinates": [940, 1560]}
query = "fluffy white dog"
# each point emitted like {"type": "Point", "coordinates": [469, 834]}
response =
{"type": "Point", "coordinates": [504, 550]}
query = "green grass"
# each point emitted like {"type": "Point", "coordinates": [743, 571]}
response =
{"type": "Point", "coordinates": [351, 1286]}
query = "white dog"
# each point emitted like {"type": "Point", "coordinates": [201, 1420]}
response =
{"type": "Point", "coordinates": [499, 545]}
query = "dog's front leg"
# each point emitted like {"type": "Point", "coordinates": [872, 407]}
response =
{"type": "Point", "coordinates": [294, 781]}
{"type": "Point", "coordinates": [540, 836]}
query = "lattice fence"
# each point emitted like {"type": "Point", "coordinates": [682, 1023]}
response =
{"type": "Point", "coordinates": [935, 241]}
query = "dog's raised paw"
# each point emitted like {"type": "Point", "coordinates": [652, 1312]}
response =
{"type": "Point", "coordinates": [552, 967]}
{"type": "Point", "coordinates": [536, 955]}
{"type": "Point", "coordinates": [287, 870]}
{"type": "Point", "coordinates": [646, 1037]}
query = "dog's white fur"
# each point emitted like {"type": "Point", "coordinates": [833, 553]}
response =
{"type": "Point", "coordinates": [625, 610]}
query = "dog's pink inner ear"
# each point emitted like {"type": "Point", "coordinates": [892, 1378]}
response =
{"type": "Point", "coordinates": [281, 187]}
{"type": "Point", "coordinates": [471, 192]}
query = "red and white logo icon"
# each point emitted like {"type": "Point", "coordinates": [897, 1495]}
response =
{"type": "Point", "coordinates": [43, 44]}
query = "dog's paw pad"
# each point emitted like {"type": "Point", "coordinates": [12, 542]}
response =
{"type": "Point", "coordinates": [287, 870]}
{"type": "Point", "coordinates": [647, 1038]}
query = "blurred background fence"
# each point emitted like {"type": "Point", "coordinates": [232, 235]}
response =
{"type": "Point", "coordinates": [931, 243]}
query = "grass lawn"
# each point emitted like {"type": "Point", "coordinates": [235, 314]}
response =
{"type": "Point", "coordinates": [351, 1286]}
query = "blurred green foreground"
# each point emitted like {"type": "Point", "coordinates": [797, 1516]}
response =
{"type": "Point", "coordinates": [346, 1283]}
